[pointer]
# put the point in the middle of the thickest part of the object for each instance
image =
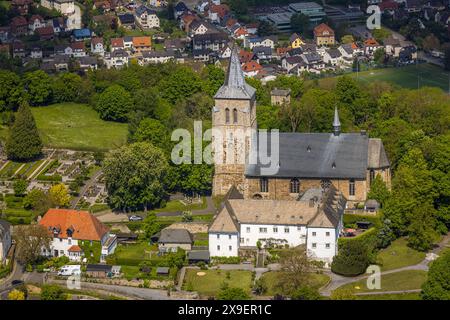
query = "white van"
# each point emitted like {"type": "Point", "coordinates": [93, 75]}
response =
{"type": "Point", "coordinates": [70, 270]}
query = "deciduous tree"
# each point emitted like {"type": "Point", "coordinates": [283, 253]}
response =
{"type": "Point", "coordinates": [30, 240]}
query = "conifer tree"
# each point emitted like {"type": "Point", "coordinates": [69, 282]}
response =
{"type": "Point", "coordinates": [23, 142]}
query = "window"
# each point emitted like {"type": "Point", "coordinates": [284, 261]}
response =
{"type": "Point", "coordinates": [314, 234]}
{"type": "Point", "coordinates": [299, 228]}
{"type": "Point", "coordinates": [61, 252]}
{"type": "Point", "coordinates": [230, 248]}
{"type": "Point", "coordinates": [327, 245]}
{"type": "Point", "coordinates": [227, 115]}
{"type": "Point", "coordinates": [60, 239]}
{"type": "Point", "coordinates": [264, 185]}
{"type": "Point", "coordinates": [294, 186]}
{"type": "Point", "coordinates": [242, 240]}
{"type": "Point", "coordinates": [235, 116]}
{"type": "Point", "coordinates": [262, 230]}
{"type": "Point", "coordinates": [314, 245]}
{"type": "Point", "coordinates": [286, 230]}
{"type": "Point", "coordinates": [248, 229]}
{"type": "Point", "coordinates": [275, 229]}
{"type": "Point", "coordinates": [69, 241]}
{"type": "Point", "coordinates": [218, 236]}
{"type": "Point", "coordinates": [351, 187]}
{"type": "Point", "coordinates": [327, 233]}
{"type": "Point", "coordinates": [372, 176]}
{"type": "Point", "coordinates": [218, 248]}
{"type": "Point", "coordinates": [229, 236]}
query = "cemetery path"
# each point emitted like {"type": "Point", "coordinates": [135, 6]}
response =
{"type": "Point", "coordinates": [84, 188]}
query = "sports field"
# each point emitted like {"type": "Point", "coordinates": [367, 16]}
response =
{"type": "Point", "coordinates": [77, 126]}
{"type": "Point", "coordinates": [412, 77]}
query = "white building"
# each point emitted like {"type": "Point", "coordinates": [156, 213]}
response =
{"type": "Point", "coordinates": [71, 230]}
{"type": "Point", "coordinates": [66, 7]}
{"type": "Point", "coordinates": [146, 18]}
{"type": "Point", "coordinates": [5, 240]}
{"type": "Point", "coordinates": [117, 59]}
{"type": "Point", "coordinates": [314, 220]}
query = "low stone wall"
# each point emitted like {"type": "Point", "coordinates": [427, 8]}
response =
{"type": "Point", "coordinates": [195, 227]}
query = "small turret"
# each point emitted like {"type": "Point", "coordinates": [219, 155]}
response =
{"type": "Point", "coordinates": [336, 123]}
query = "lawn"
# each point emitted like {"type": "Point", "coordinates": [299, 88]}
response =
{"type": "Point", "coordinates": [400, 296]}
{"type": "Point", "coordinates": [211, 282]}
{"type": "Point", "coordinates": [402, 280]}
{"type": "Point", "coordinates": [138, 252]}
{"type": "Point", "coordinates": [78, 127]}
{"type": "Point", "coordinates": [408, 77]}
{"type": "Point", "coordinates": [271, 279]}
{"type": "Point", "coordinates": [398, 255]}
{"type": "Point", "coordinates": [176, 205]}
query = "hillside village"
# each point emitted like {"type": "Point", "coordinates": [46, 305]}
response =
{"type": "Point", "coordinates": [94, 91]}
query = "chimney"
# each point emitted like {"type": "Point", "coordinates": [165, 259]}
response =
{"type": "Point", "coordinates": [336, 123]}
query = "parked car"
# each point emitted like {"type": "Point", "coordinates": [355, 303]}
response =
{"type": "Point", "coordinates": [135, 218]}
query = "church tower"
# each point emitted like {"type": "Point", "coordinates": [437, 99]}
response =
{"type": "Point", "coordinates": [233, 117]}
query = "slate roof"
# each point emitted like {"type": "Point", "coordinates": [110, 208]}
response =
{"type": "Point", "coordinates": [98, 267]}
{"type": "Point", "coordinates": [377, 157]}
{"type": "Point", "coordinates": [199, 255]}
{"type": "Point", "coordinates": [126, 18]}
{"type": "Point", "coordinates": [175, 236]}
{"type": "Point", "coordinates": [319, 155]}
{"type": "Point", "coordinates": [143, 9]}
{"type": "Point", "coordinates": [334, 53]}
{"type": "Point", "coordinates": [235, 86]}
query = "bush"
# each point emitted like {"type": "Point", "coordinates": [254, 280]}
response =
{"type": "Point", "coordinates": [352, 259]}
{"type": "Point", "coordinates": [52, 292]}
{"type": "Point", "coordinates": [232, 294]}
{"type": "Point", "coordinates": [226, 260]}
{"type": "Point", "coordinates": [306, 293]}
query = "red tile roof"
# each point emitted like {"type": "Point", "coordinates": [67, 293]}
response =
{"type": "Point", "coordinates": [96, 40]}
{"type": "Point", "coordinates": [74, 249]}
{"type": "Point", "coordinates": [36, 17]}
{"type": "Point", "coordinates": [221, 9]}
{"type": "Point", "coordinates": [117, 42]}
{"type": "Point", "coordinates": [45, 31]}
{"type": "Point", "coordinates": [245, 56]}
{"type": "Point", "coordinates": [321, 28]}
{"type": "Point", "coordinates": [79, 45]}
{"type": "Point", "coordinates": [19, 21]}
{"type": "Point", "coordinates": [251, 66]}
{"type": "Point", "coordinates": [84, 225]}
{"type": "Point", "coordinates": [371, 42]}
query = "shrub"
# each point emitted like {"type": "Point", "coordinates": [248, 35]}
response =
{"type": "Point", "coordinates": [306, 293]}
{"type": "Point", "coordinates": [232, 294]}
{"type": "Point", "coordinates": [352, 259]}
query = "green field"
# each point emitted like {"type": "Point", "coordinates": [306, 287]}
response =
{"type": "Point", "coordinates": [77, 126]}
{"type": "Point", "coordinates": [211, 282]}
{"type": "Point", "coordinates": [271, 280]}
{"type": "Point", "coordinates": [402, 280]}
{"type": "Point", "coordinates": [422, 75]}
{"type": "Point", "coordinates": [398, 255]}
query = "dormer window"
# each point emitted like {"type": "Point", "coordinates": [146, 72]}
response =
{"type": "Point", "coordinates": [308, 149]}
{"type": "Point", "coordinates": [333, 165]}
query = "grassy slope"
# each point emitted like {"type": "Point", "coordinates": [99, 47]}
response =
{"type": "Point", "coordinates": [77, 126]}
{"type": "Point", "coordinates": [398, 255]}
{"type": "Point", "coordinates": [403, 280]}
{"type": "Point", "coordinates": [210, 284]}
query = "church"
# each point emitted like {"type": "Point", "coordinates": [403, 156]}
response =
{"type": "Point", "coordinates": [318, 176]}
{"type": "Point", "coordinates": [348, 161]}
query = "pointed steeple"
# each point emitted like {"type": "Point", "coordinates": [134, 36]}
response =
{"type": "Point", "coordinates": [336, 123]}
{"type": "Point", "coordinates": [235, 86]}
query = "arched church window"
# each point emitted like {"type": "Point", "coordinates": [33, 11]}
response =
{"type": "Point", "coordinates": [295, 186]}
{"type": "Point", "coordinates": [235, 116]}
{"type": "Point", "coordinates": [227, 115]}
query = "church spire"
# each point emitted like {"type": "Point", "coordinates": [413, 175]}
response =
{"type": "Point", "coordinates": [336, 123]}
{"type": "Point", "coordinates": [235, 86]}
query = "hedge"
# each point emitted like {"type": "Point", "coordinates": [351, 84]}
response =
{"type": "Point", "coordinates": [367, 238]}
{"type": "Point", "coordinates": [351, 219]}
{"type": "Point", "coordinates": [53, 178]}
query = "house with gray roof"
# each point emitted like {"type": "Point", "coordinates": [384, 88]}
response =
{"type": "Point", "coordinates": [172, 239]}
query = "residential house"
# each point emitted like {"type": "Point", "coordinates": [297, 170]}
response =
{"type": "Point", "coordinates": [313, 61]}
{"type": "Point", "coordinates": [203, 55]}
{"type": "Point", "coordinates": [346, 50]}
{"type": "Point", "coordinates": [332, 57]}
{"type": "Point", "coordinates": [212, 41]}
{"type": "Point", "coordinates": [280, 96]}
{"type": "Point", "coordinates": [175, 45]}
{"type": "Point", "coordinates": [324, 35]}
{"type": "Point", "coordinates": [186, 20]}
{"type": "Point", "coordinates": [370, 46]}
{"type": "Point", "coordinates": [251, 68]}
{"type": "Point", "coordinates": [45, 33]}
{"type": "Point", "coordinates": [116, 44]}
{"type": "Point", "coordinates": [78, 49]}
{"type": "Point", "coordinates": [117, 59]}
{"type": "Point", "coordinates": [146, 18]}
{"type": "Point", "coordinates": [155, 57]}
{"type": "Point", "coordinates": [288, 63]}
{"type": "Point", "coordinates": [88, 63]}
{"type": "Point", "coordinates": [295, 41]}
{"type": "Point", "coordinates": [126, 20]}
{"type": "Point", "coordinates": [99, 270]}
{"type": "Point", "coordinates": [97, 46]}
{"type": "Point", "coordinates": [315, 220]}
{"type": "Point", "coordinates": [268, 41]}
{"type": "Point", "coordinates": [240, 33]}
{"type": "Point", "coordinates": [142, 43]}
{"type": "Point", "coordinates": [171, 240]}
{"type": "Point", "coordinates": [263, 53]}
{"type": "Point", "coordinates": [18, 48]}
{"type": "Point", "coordinates": [19, 26]}
{"type": "Point", "coordinates": [225, 53]}
{"type": "Point", "coordinates": [58, 25]}
{"type": "Point", "coordinates": [36, 53]}
{"type": "Point", "coordinates": [22, 6]}
{"type": "Point", "coordinates": [66, 7]}
{"type": "Point", "coordinates": [72, 230]}
{"type": "Point", "coordinates": [36, 22]}
{"type": "Point", "coordinates": [128, 42]}
{"type": "Point", "coordinates": [5, 240]}
{"type": "Point", "coordinates": [61, 63]}
{"type": "Point", "coordinates": [81, 34]}
{"type": "Point", "coordinates": [245, 56]}
{"type": "Point", "coordinates": [179, 9]}
{"type": "Point", "coordinates": [199, 27]}
{"type": "Point", "coordinates": [218, 13]}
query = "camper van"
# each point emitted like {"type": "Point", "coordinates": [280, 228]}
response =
{"type": "Point", "coordinates": [70, 270]}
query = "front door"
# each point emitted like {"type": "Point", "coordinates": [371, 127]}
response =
{"type": "Point", "coordinates": [55, 254]}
